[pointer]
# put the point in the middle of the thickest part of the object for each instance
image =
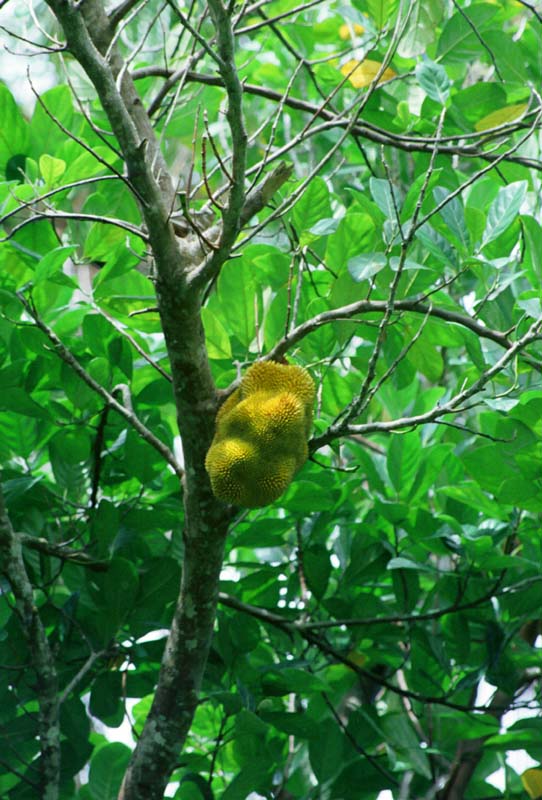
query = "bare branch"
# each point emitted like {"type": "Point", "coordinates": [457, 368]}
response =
{"type": "Point", "coordinates": [366, 393]}
{"type": "Point", "coordinates": [231, 214]}
{"type": "Point", "coordinates": [260, 196]}
{"type": "Point", "coordinates": [297, 10]}
{"type": "Point", "coordinates": [41, 215]}
{"type": "Point", "coordinates": [137, 347]}
{"type": "Point", "coordinates": [532, 9]}
{"type": "Point", "coordinates": [45, 196]}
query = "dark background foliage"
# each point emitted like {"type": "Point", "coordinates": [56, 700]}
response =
{"type": "Point", "coordinates": [376, 623]}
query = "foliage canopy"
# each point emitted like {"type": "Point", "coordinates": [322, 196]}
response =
{"type": "Point", "coordinates": [353, 188]}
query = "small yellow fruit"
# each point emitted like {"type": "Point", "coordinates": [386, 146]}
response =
{"type": "Point", "coordinates": [348, 31]}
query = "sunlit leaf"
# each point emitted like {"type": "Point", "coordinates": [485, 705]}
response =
{"type": "Point", "coordinates": [422, 28]}
{"type": "Point", "coordinates": [381, 11]}
{"type": "Point", "coordinates": [52, 169]}
{"type": "Point", "coordinates": [218, 342]}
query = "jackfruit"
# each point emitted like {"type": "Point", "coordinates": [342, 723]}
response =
{"type": "Point", "coordinates": [261, 435]}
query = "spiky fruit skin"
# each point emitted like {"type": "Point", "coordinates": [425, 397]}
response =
{"type": "Point", "coordinates": [261, 435]}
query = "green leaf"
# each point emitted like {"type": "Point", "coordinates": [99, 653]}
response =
{"type": "Point", "coordinates": [250, 778]}
{"type": "Point", "coordinates": [413, 195]}
{"type": "Point", "coordinates": [459, 42]}
{"type": "Point", "coordinates": [293, 724]}
{"type": "Point", "coordinates": [237, 298]}
{"type": "Point", "coordinates": [13, 133]}
{"type": "Point", "coordinates": [403, 461]}
{"type": "Point", "coordinates": [312, 206]}
{"type": "Point", "coordinates": [317, 569]}
{"type": "Point", "coordinates": [290, 679]}
{"type": "Point", "coordinates": [433, 80]}
{"type": "Point", "coordinates": [406, 587]}
{"type": "Point", "coordinates": [158, 588]}
{"type": "Point", "coordinates": [422, 28]}
{"type": "Point", "coordinates": [386, 198]}
{"type": "Point", "coordinates": [406, 743]}
{"type": "Point", "coordinates": [404, 563]}
{"type": "Point", "coordinates": [326, 751]}
{"type": "Point", "coordinates": [106, 699]}
{"type": "Point", "coordinates": [50, 266]}
{"type": "Point", "coordinates": [504, 210]}
{"type": "Point", "coordinates": [115, 592]}
{"type": "Point", "coordinates": [381, 11]}
{"type": "Point", "coordinates": [453, 215]}
{"type": "Point", "coordinates": [107, 768]}
{"type": "Point", "coordinates": [72, 447]}
{"type": "Point", "coordinates": [51, 169]}
{"type": "Point", "coordinates": [16, 399]}
{"type": "Point", "coordinates": [354, 236]}
{"type": "Point", "coordinates": [363, 267]}
{"type": "Point", "coordinates": [218, 341]}
{"type": "Point", "coordinates": [194, 787]}
{"type": "Point", "coordinates": [533, 255]}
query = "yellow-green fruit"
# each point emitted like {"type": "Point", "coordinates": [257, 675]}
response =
{"type": "Point", "coordinates": [261, 435]}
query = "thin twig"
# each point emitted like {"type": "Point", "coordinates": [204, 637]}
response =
{"type": "Point", "coordinates": [53, 215]}
{"type": "Point", "coordinates": [68, 357]}
{"type": "Point", "coordinates": [48, 548]}
{"type": "Point", "coordinates": [87, 666]}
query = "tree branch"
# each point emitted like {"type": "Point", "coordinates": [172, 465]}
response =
{"type": "Point", "coordinates": [470, 751]}
{"type": "Point", "coordinates": [68, 357]}
{"type": "Point", "coordinates": [90, 39]}
{"type": "Point", "coordinates": [118, 13]}
{"type": "Point", "coordinates": [87, 666]}
{"type": "Point", "coordinates": [415, 305]}
{"type": "Point", "coordinates": [53, 215]}
{"type": "Point", "coordinates": [371, 132]}
{"type": "Point", "coordinates": [40, 653]}
{"type": "Point", "coordinates": [63, 552]}
{"type": "Point", "coordinates": [259, 197]}
{"type": "Point", "coordinates": [324, 646]}
{"type": "Point", "coordinates": [452, 406]}
{"type": "Point", "coordinates": [255, 201]}
{"type": "Point", "coordinates": [65, 188]}
{"type": "Point", "coordinates": [231, 215]}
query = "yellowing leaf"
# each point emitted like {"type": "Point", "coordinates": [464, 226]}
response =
{"type": "Point", "coordinates": [363, 73]}
{"type": "Point", "coordinates": [348, 31]}
{"type": "Point", "coordinates": [357, 658]}
{"type": "Point", "coordinates": [500, 117]}
{"type": "Point", "coordinates": [532, 782]}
